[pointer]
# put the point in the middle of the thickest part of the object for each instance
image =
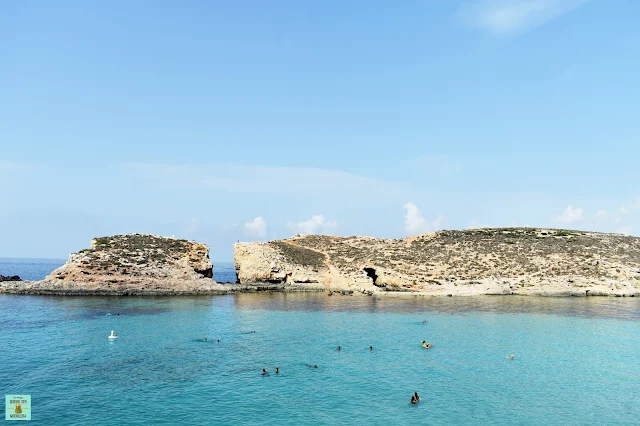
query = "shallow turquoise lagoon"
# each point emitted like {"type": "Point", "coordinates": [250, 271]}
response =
{"type": "Point", "coordinates": [576, 360]}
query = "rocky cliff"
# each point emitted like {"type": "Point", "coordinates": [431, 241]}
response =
{"type": "Point", "coordinates": [528, 261]}
{"type": "Point", "coordinates": [129, 264]}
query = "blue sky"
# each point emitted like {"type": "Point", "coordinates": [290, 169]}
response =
{"type": "Point", "coordinates": [226, 121]}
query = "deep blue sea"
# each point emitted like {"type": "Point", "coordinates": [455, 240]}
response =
{"type": "Point", "coordinates": [576, 359]}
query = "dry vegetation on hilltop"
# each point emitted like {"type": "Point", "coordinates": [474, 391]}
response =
{"type": "Point", "coordinates": [482, 253]}
{"type": "Point", "coordinates": [136, 255]}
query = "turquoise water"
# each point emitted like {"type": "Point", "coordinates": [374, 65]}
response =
{"type": "Point", "coordinates": [575, 359]}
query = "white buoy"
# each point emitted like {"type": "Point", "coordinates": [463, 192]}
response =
{"type": "Point", "coordinates": [113, 335]}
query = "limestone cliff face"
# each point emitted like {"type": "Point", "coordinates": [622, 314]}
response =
{"type": "Point", "coordinates": [482, 261]}
{"type": "Point", "coordinates": [273, 263]}
{"type": "Point", "coordinates": [130, 264]}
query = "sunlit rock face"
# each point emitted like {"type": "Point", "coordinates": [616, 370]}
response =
{"type": "Point", "coordinates": [528, 261]}
{"type": "Point", "coordinates": [132, 264]}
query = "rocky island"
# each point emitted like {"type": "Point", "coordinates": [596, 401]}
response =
{"type": "Point", "coordinates": [135, 264]}
{"type": "Point", "coordinates": [523, 261]}
{"type": "Point", "coordinates": [496, 261]}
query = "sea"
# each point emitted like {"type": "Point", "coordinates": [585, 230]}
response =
{"type": "Point", "coordinates": [575, 359]}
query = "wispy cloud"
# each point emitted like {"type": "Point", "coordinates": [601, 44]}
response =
{"type": "Point", "coordinates": [436, 164]}
{"type": "Point", "coordinates": [262, 179]}
{"type": "Point", "coordinates": [316, 225]}
{"type": "Point", "coordinates": [414, 221]}
{"type": "Point", "coordinates": [509, 17]}
{"type": "Point", "coordinates": [602, 213]}
{"type": "Point", "coordinates": [569, 215]}
{"type": "Point", "coordinates": [257, 227]}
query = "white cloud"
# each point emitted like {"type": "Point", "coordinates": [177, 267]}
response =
{"type": "Point", "coordinates": [192, 226]}
{"type": "Point", "coordinates": [636, 205]}
{"type": "Point", "coordinates": [624, 210]}
{"type": "Point", "coordinates": [257, 227]}
{"type": "Point", "coordinates": [507, 17]}
{"type": "Point", "coordinates": [414, 221]}
{"type": "Point", "coordinates": [436, 164]}
{"type": "Point", "coordinates": [316, 225]}
{"type": "Point", "coordinates": [569, 215]}
{"type": "Point", "coordinates": [602, 213]}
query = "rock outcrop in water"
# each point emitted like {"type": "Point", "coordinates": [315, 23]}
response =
{"type": "Point", "coordinates": [132, 264]}
{"type": "Point", "coordinates": [9, 278]}
{"type": "Point", "coordinates": [527, 261]}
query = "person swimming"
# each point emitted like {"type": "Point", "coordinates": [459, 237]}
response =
{"type": "Point", "coordinates": [424, 321]}
{"type": "Point", "coordinates": [511, 356]}
{"type": "Point", "coordinates": [204, 340]}
{"type": "Point", "coordinates": [277, 370]}
{"type": "Point", "coordinates": [264, 372]}
{"type": "Point", "coordinates": [426, 345]}
{"type": "Point", "coordinates": [370, 348]}
{"type": "Point", "coordinates": [339, 348]}
{"type": "Point", "coordinates": [415, 394]}
{"type": "Point", "coordinates": [218, 341]}
{"type": "Point", "coordinates": [413, 400]}
{"type": "Point", "coordinates": [312, 366]}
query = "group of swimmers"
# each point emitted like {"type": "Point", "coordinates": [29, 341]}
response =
{"type": "Point", "coordinates": [415, 398]}
{"type": "Point", "coordinates": [265, 372]}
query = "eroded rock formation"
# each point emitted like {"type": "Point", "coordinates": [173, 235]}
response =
{"type": "Point", "coordinates": [527, 261]}
{"type": "Point", "coordinates": [129, 264]}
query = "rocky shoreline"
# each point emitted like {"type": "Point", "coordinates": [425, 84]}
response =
{"type": "Point", "coordinates": [36, 288]}
{"type": "Point", "coordinates": [502, 261]}
{"type": "Point", "coordinates": [41, 288]}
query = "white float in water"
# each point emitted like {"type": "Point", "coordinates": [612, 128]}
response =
{"type": "Point", "coordinates": [113, 335]}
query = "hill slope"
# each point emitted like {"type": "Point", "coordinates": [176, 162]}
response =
{"type": "Point", "coordinates": [480, 261]}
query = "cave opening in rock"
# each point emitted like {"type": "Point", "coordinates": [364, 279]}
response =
{"type": "Point", "coordinates": [371, 273]}
{"type": "Point", "coordinates": [207, 273]}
